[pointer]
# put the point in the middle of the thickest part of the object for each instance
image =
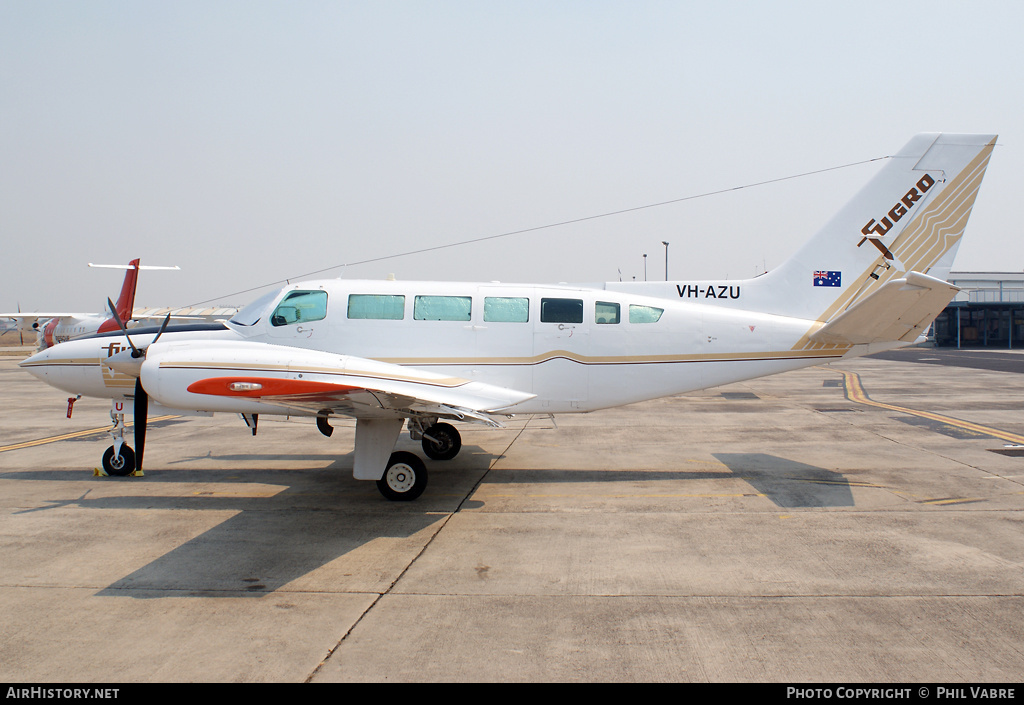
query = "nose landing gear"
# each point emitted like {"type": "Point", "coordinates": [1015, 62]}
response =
{"type": "Point", "coordinates": [118, 459]}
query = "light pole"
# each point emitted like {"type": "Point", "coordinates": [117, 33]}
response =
{"type": "Point", "coordinates": [666, 259]}
{"type": "Point", "coordinates": [645, 267]}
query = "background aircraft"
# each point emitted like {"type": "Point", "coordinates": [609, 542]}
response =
{"type": "Point", "coordinates": [53, 328]}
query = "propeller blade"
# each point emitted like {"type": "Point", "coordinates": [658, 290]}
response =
{"type": "Point", "coordinates": [141, 414]}
{"type": "Point", "coordinates": [163, 327]}
{"type": "Point", "coordinates": [120, 324]}
{"type": "Point", "coordinates": [21, 334]}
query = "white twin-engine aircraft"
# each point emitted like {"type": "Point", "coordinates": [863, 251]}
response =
{"type": "Point", "coordinates": [426, 353]}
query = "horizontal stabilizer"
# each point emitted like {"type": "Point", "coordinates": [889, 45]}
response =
{"type": "Point", "coordinates": [899, 311]}
{"type": "Point", "coordinates": [133, 266]}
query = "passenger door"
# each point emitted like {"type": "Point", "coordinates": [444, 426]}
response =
{"type": "Point", "coordinates": [560, 344]}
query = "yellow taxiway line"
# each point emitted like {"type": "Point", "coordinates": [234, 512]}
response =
{"type": "Point", "coordinates": [74, 434]}
{"type": "Point", "coordinates": [855, 392]}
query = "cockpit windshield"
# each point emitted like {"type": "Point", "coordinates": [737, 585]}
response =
{"type": "Point", "coordinates": [252, 313]}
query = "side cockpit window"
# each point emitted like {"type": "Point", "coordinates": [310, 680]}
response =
{"type": "Point", "coordinates": [300, 307]}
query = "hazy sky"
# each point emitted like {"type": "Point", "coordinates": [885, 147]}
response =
{"type": "Point", "coordinates": [248, 142]}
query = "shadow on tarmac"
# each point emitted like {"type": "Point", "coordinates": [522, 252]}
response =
{"type": "Point", "coordinates": [290, 522]}
{"type": "Point", "coordinates": [790, 484]}
{"type": "Point", "coordinates": [286, 523]}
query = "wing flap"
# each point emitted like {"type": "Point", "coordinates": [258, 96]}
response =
{"type": "Point", "coordinates": [900, 311]}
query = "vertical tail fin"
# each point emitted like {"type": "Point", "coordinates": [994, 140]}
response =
{"type": "Point", "coordinates": [126, 300]}
{"type": "Point", "coordinates": [909, 218]}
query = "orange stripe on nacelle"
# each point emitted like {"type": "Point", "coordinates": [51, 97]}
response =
{"type": "Point", "coordinates": [265, 387]}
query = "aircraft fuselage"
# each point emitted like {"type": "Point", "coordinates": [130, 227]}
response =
{"type": "Point", "coordinates": [576, 348]}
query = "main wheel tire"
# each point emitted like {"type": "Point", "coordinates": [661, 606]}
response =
{"type": "Point", "coordinates": [448, 445]}
{"type": "Point", "coordinates": [404, 479]}
{"type": "Point", "coordinates": [119, 465]}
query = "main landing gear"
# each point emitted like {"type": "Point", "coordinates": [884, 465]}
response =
{"type": "Point", "coordinates": [405, 476]}
{"type": "Point", "coordinates": [404, 479]}
{"type": "Point", "coordinates": [441, 441]}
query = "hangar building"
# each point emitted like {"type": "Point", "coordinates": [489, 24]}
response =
{"type": "Point", "coordinates": [988, 311]}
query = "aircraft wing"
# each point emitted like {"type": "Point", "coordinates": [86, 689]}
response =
{"type": "Point", "coordinates": [240, 376]}
{"type": "Point", "coordinates": [899, 311]}
{"type": "Point", "coordinates": [35, 322]}
{"type": "Point", "coordinates": [29, 317]}
{"type": "Point", "coordinates": [148, 319]}
{"type": "Point", "coordinates": [189, 314]}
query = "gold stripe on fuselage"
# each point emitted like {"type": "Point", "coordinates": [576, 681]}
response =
{"type": "Point", "coordinates": [833, 351]}
{"type": "Point", "coordinates": [111, 378]}
{"type": "Point", "coordinates": [838, 351]}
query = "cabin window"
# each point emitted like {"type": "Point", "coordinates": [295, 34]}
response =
{"type": "Point", "coordinates": [606, 312]}
{"type": "Point", "coordinates": [644, 314]}
{"type": "Point", "coordinates": [387, 307]}
{"type": "Point", "coordinates": [300, 307]}
{"type": "Point", "coordinates": [442, 308]}
{"type": "Point", "coordinates": [506, 309]}
{"type": "Point", "coordinates": [561, 310]}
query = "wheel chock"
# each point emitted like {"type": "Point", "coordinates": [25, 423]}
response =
{"type": "Point", "coordinates": [136, 473]}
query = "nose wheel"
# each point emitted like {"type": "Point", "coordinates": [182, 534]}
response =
{"type": "Point", "coordinates": [119, 464]}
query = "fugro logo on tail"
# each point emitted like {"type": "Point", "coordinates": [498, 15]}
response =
{"type": "Point", "coordinates": [899, 210]}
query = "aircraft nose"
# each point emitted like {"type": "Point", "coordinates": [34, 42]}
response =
{"type": "Point", "coordinates": [36, 364]}
{"type": "Point", "coordinates": [72, 366]}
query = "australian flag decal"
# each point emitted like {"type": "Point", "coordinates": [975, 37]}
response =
{"type": "Point", "coordinates": [827, 278]}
